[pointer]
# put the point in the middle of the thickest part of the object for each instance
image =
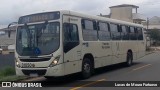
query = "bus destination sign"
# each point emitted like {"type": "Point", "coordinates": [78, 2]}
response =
{"type": "Point", "coordinates": [39, 17]}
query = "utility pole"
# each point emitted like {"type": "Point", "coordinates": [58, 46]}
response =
{"type": "Point", "coordinates": [148, 32]}
{"type": "Point", "coordinates": [147, 23]}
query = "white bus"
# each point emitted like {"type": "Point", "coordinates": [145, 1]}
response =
{"type": "Point", "coordinates": [60, 43]}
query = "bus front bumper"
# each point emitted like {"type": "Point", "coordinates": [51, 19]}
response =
{"type": "Point", "coordinates": [55, 71]}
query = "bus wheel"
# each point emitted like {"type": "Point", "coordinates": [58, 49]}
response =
{"type": "Point", "coordinates": [49, 78]}
{"type": "Point", "coordinates": [86, 68]}
{"type": "Point", "coordinates": [129, 61]}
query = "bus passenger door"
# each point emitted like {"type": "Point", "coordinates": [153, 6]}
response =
{"type": "Point", "coordinates": [71, 44]}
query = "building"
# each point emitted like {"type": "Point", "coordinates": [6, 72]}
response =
{"type": "Point", "coordinates": [129, 13]}
{"type": "Point", "coordinates": [5, 41]}
{"type": "Point", "coordinates": [126, 12]}
{"type": "Point", "coordinates": [153, 23]}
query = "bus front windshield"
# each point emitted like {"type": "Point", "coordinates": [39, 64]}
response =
{"type": "Point", "coordinates": [38, 39]}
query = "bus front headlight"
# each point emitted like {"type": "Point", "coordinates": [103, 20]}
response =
{"type": "Point", "coordinates": [55, 61]}
{"type": "Point", "coordinates": [17, 64]}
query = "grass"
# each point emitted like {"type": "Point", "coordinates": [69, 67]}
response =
{"type": "Point", "coordinates": [7, 71]}
{"type": "Point", "coordinates": [9, 74]}
{"type": "Point", "coordinates": [13, 78]}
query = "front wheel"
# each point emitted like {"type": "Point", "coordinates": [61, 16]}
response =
{"type": "Point", "coordinates": [49, 78]}
{"type": "Point", "coordinates": [86, 68]}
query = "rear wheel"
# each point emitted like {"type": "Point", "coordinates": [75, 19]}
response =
{"type": "Point", "coordinates": [87, 68]}
{"type": "Point", "coordinates": [129, 61]}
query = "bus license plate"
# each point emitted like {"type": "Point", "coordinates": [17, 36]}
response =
{"type": "Point", "coordinates": [33, 75]}
{"type": "Point", "coordinates": [28, 65]}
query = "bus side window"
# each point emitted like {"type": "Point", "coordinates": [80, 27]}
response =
{"type": "Point", "coordinates": [124, 33]}
{"type": "Point", "coordinates": [136, 32]}
{"type": "Point", "coordinates": [103, 32]}
{"type": "Point", "coordinates": [116, 35]}
{"type": "Point", "coordinates": [140, 34]}
{"type": "Point", "coordinates": [89, 30]}
{"type": "Point", "coordinates": [71, 37]}
{"type": "Point", "coordinates": [128, 32]}
{"type": "Point", "coordinates": [132, 34]}
{"type": "Point", "coordinates": [71, 32]}
{"type": "Point", "coordinates": [66, 28]}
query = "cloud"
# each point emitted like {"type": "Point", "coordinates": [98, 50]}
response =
{"type": "Point", "coordinates": [150, 8]}
{"type": "Point", "coordinates": [11, 10]}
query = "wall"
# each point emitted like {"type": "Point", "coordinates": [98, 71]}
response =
{"type": "Point", "coordinates": [5, 41]}
{"type": "Point", "coordinates": [152, 26]}
{"type": "Point", "coordinates": [122, 13]}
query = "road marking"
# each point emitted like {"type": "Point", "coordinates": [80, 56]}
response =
{"type": "Point", "coordinates": [142, 67]}
{"type": "Point", "coordinates": [76, 88]}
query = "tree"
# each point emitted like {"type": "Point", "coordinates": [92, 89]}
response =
{"type": "Point", "coordinates": [155, 35]}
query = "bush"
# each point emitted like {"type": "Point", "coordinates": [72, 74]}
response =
{"type": "Point", "coordinates": [8, 71]}
{"type": "Point", "coordinates": [155, 36]}
{"type": "Point", "coordinates": [9, 74]}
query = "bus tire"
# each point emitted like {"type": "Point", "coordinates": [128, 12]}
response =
{"type": "Point", "coordinates": [129, 61]}
{"type": "Point", "coordinates": [49, 78]}
{"type": "Point", "coordinates": [86, 68]}
{"type": "Point", "coordinates": [56, 79]}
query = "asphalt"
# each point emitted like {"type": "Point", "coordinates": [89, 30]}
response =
{"type": "Point", "coordinates": [7, 60]}
{"type": "Point", "coordinates": [144, 69]}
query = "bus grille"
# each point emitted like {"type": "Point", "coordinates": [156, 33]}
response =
{"type": "Point", "coordinates": [35, 60]}
{"type": "Point", "coordinates": [39, 72]}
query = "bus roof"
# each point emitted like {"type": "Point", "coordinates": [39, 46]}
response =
{"type": "Point", "coordinates": [87, 16]}
{"type": "Point", "coordinates": [73, 13]}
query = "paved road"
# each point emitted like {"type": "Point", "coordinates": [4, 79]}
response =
{"type": "Point", "coordinates": [6, 60]}
{"type": "Point", "coordinates": [144, 69]}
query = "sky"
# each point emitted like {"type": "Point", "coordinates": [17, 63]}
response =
{"type": "Point", "coordinates": [11, 10]}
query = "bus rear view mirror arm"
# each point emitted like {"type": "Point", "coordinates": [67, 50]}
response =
{"type": "Point", "coordinates": [9, 30]}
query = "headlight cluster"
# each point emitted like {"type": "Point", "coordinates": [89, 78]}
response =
{"type": "Point", "coordinates": [17, 63]}
{"type": "Point", "coordinates": [55, 61]}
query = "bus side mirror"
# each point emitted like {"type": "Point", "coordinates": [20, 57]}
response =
{"type": "Point", "coordinates": [9, 31]}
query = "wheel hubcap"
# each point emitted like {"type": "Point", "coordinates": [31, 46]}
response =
{"type": "Point", "coordinates": [87, 68]}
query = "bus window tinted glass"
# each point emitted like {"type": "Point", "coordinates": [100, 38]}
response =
{"type": "Point", "coordinates": [88, 24]}
{"type": "Point", "coordinates": [103, 26]}
{"type": "Point", "coordinates": [71, 38]}
{"type": "Point", "coordinates": [124, 33]}
{"type": "Point", "coordinates": [114, 32]}
{"type": "Point", "coordinates": [140, 34]}
{"type": "Point", "coordinates": [133, 35]}
{"type": "Point", "coordinates": [70, 33]}
{"type": "Point", "coordinates": [37, 37]}
{"type": "Point", "coordinates": [89, 30]}
{"type": "Point", "coordinates": [103, 32]}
